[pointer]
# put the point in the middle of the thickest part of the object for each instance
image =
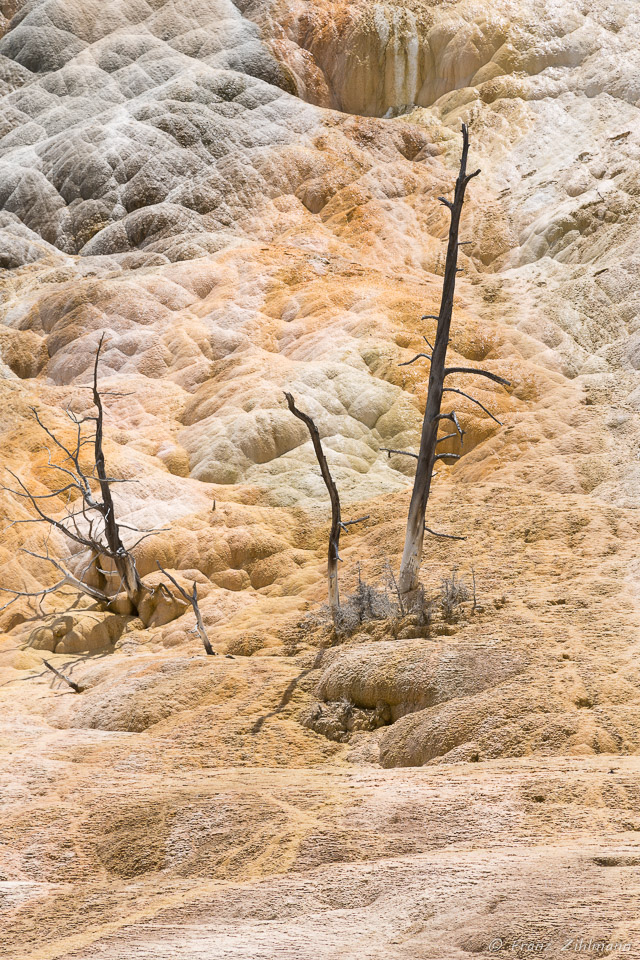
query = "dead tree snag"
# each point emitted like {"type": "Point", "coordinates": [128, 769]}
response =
{"type": "Point", "coordinates": [337, 524]}
{"type": "Point", "coordinates": [427, 457]}
{"type": "Point", "coordinates": [88, 518]}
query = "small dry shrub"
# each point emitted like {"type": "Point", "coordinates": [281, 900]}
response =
{"type": "Point", "coordinates": [453, 593]}
{"type": "Point", "coordinates": [422, 608]}
{"type": "Point", "coordinates": [369, 603]}
{"type": "Point", "coordinates": [365, 604]}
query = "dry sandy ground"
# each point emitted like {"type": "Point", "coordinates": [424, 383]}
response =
{"type": "Point", "coordinates": [244, 197]}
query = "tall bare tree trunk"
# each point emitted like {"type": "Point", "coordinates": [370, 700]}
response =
{"type": "Point", "coordinates": [414, 537]}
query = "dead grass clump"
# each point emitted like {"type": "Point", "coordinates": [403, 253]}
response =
{"type": "Point", "coordinates": [369, 605]}
{"type": "Point", "coordinates": [381, 611]}
{"type": "Point", "coordinates": [453, 594]}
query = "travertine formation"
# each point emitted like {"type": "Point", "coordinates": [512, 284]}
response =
{"type": "Point", "coordinates": [243, 196]}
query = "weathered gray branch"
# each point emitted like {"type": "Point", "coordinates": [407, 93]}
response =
{"type": "Point", "coordinates": [408, 363]}
{"type": "Point", "coordinates": [454, 419]}
{"type": "Point", "coordinates": [68, 580]}
{"type": "Point", "coordinates": [350, 523]}
{"type": "Point", "coordinates": [479, 373]}
{"type": "Point", "coordinates": [445, 536]}
{"type": "Point", "coordinates": [473, 400]}
{"type": "Point", "coordinates": [401, 453]}
{"type": "Point", "coordinates": [70, 683]}
{"type": "Point", "coordinates": [192, 598]}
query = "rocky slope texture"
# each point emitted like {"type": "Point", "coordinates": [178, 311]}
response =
{"type": "Point", "coordinates": [244, 197]}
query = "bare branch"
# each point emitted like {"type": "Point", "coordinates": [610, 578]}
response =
{"type": "Point", "coordinates": [51, 435]}
{"type": "Point", "coordinates": [350, 523]}
{"type": "Point", "coordinates": [454, 419]}
{"type": "Point", "coordinates": [479, 373]}
{"type": "Point", "coordinates": [39, 496]}
{"type": "Point", "coordinates": [128, 526]}
{"type": "Point", "coordinates": [70, 683]}
{"type": "Point", "coordinates": [473, 400]}
{"type": "Point", "coordinates": [447, 456]}
{"type": "Point", "coordinates": [69, 579]}
{"type": "Point", "coordinates": [193, 600]}
{"type": "Point", "coordinates": [408, 363]}
{"type": "Point", "coordinates": [402, 453]}
{"type": "Point", "coordinates": [445, 536]}
{"type": "Point", "coordinates": [145, 536]}
{"type": "Point", "coordinates": [43, 516]}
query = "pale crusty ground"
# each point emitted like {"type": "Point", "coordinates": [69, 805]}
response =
{"type": "Point", "coordinates": [289, 237]}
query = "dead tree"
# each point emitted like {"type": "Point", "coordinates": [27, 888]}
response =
{"type": "Point", "coordinates": [192, 598]}
{"type": "Point", "coordinates": [337, 524]}
{"type": "Point", "coordinates": [89, 519]}
{"type": "Point", "coordinates": [433, 417]}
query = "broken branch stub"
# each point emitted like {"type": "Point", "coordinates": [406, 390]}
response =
{"type": "Point", "coordinates": [70, 683]}
{"type": "Point", "coordinates": [443, 536]}
{"type": "Point", "coordinates": [192, 599]}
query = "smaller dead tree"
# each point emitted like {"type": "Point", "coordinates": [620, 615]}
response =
{"type": "Point", "coordinates": [192, 599]}
{"type": "Point", "coordinates": [337, 524]}
{"type": "Point", "coordinates": [88, 516]}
